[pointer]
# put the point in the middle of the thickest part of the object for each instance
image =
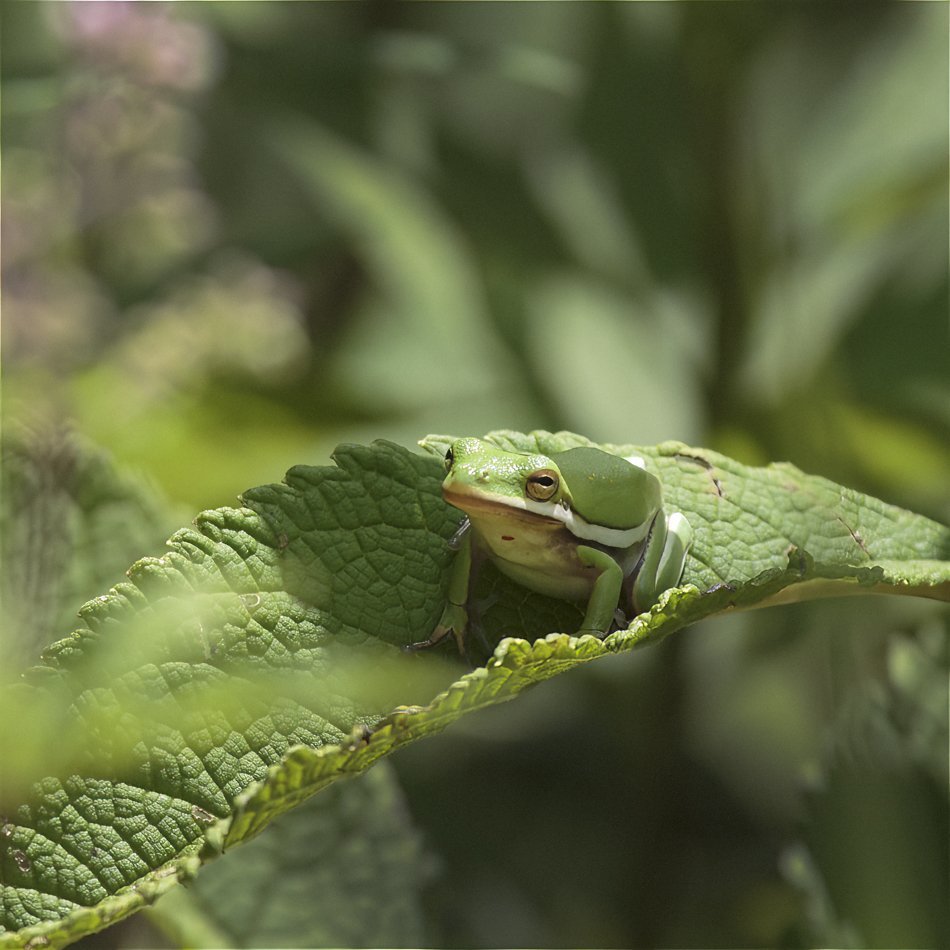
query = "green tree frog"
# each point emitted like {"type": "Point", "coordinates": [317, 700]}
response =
{"type": "Point", "coordinates": [580, 525]}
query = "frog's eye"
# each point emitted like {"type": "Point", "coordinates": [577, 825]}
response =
{"type": "Point", "coordinates": [449, 459]}
{"type": "Point", "coordinates": [542, 484]}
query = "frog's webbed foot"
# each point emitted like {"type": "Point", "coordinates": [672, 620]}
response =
{"type": "Point", "coordinates": [461, 624]}
{"type": "Point", "coordinates": [453, 622]}
{"type": "Point", "coordinates": [618, 621]}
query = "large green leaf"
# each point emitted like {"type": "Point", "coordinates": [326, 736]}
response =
{"type": "Point", "coordinates": [260, 658]}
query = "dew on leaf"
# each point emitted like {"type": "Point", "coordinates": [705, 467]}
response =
{"type": "Point", "coordinates": [22, 861]}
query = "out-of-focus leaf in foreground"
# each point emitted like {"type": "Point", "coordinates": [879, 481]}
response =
{"type": "Point", "coordinates": [343, 870]}
{"type": "Point", "coordinates": [261, 658]}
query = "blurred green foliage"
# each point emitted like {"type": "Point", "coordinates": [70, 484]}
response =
{"type": "Point", "coordinates": [70, 524]}
{"type": "Point", "coordinates": [343, 869]}
{"type": "Point", "coordinates": [235, 234]}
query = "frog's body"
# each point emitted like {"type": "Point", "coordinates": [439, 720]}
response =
{"type": "Point", "coordinates": [536, 552]}
{"type": "Point", "coordinates": [581, 525]}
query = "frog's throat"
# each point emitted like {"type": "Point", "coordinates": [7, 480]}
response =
{"type": "Point", "coordinates": [474, 501]}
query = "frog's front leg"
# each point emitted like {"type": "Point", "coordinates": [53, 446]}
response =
{"type": "Point", "coordinates": [663, 560]}
{"type": "Point", "coordinates": [454, 619]}
{"type": "Point", "coordinates": [605, 594]}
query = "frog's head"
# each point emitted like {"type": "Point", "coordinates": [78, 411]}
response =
{"type": "Point", "coordinates": [595, 495]}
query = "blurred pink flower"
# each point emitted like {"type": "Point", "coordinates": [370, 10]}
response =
{"type": "Point", "coordinates": [142, 40]}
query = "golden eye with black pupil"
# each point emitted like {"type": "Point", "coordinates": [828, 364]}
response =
{"type": "Point", "coordinates": [449, 459]}
{"type": "Point", "coordinates": [541, 485]}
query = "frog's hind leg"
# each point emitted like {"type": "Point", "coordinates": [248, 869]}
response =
{"type": "Point", "coordinates": [663, 560]}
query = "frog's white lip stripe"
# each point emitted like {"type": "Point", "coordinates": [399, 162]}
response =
{"type": "Point", "coordinates": [609, 537]}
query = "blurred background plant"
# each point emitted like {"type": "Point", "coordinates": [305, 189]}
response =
{"type": "Point", "coordinates": [236, 234]}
